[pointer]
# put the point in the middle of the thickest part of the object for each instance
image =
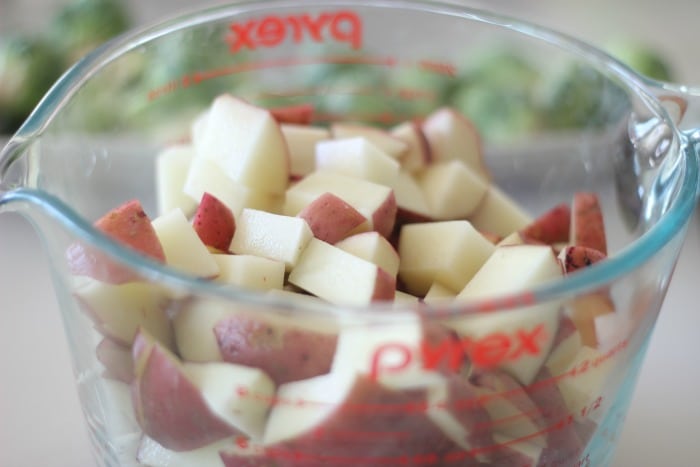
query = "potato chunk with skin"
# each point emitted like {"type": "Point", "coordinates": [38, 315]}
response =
{"type": "Point", "coordinates": [272, 236]}
{"type": "Point", "coordinates": [449, 252]}
{"type": "Point", "coordinates": [326, 271]}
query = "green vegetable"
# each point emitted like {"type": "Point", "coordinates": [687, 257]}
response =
{"type": "Point", "coordinates": [497, 92]}
{"type": "Point", "coordinates": [582, 97]}
{"type": "Point", "coordinates": [500, 114]}
{"type": "Point", "coordinates": [641, 58]}
{"type": "Point", "coordinates": [85, 24]}
{"type": "Point", "coordinates": [28, 68]}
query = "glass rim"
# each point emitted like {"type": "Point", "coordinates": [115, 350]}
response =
{"type": "Point", "coordinates": [670, 224]}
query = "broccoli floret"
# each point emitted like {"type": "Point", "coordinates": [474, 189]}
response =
{"type": "Point", "coordinates": [28, 68]}
{"type": "Point", "coordinates": [82, 25]}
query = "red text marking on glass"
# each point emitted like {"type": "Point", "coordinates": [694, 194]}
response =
{"type": "Point", "coordinates": [271, 31]}
{"type": "Point", "coordinates": [488, 351]}
{"type": "Point", "coordinates": [460, 404]}
{"type": "Point", "coordinates": [440, 68]}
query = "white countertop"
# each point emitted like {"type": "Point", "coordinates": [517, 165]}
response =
{"type": "Point", "coordinates": [41, 422]}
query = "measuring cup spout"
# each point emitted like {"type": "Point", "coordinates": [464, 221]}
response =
{"type": "Point", "coordinates": [13, 170]}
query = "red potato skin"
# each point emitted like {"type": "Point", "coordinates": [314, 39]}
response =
{"type": "Point", "coordinates": [330, 218]}
{"type": "Point", "coordinates": [375, 427]}
{"type": "Point", "coordinates": [587, 226]}
{"type": "Point", "coordinates": [384, 218]}
{"type": "Point", "coordinates": [116, 359]}
{"type": "Point", "coordinates": [237, 460]}
{"type": "Point", "coordinates": [169, 408]}
{"type": "Point", "coordinates": [285, 353]}
{"type": "Point", "coordinates": [462, 402]}
{"type": "Point", "coordinates": [551, 227]}
{"type": "Point", "coordinates": [440, 150]}
{"type": "Point", "coordinates": [418, 154]}
{"type": "Point", "coordinates": [214, 223]}
{"type": "Point", "coordinates": [127, 224]}
{"type": "Point", "coordinates": [566, 329]}
{"type": "Point", "coordinates": [301, 114]}
{"type": "Point", "coordinates": [576, 257]}
{"type": "Point", "coordinates": [564, 445]}
{"type": "Point", "coordinates": [130, 225]}
{"type": "Point", "coordinates": [384, 287]}
{"type": "Point", "coordinates": [491, 237]}
{"type": "Point", "coordinates": [503, 386]}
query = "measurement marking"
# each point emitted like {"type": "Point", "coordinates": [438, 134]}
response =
{"type": "Point", "coordinates": [198, 77]}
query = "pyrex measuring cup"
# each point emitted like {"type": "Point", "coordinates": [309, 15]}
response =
{"type": "Point", "coordinates": [174, 370]}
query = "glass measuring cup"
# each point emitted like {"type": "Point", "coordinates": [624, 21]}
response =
{"type": "Point", "coordinates": [147, 88]}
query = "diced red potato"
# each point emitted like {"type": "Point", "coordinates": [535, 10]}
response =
{"type": "Point", "coordinates": [575, 257]}
{"type": "Point", "coordinates": [514, 452]}
{"type": "Point", "coordinates": [152, 454]}
{"type": "Point", "coordinates": [199, 403]}
{"type": "Point", "coordinates": [587, 375]}
{"type": "Point", "coordinates": [118, 311]}
{"type": "Point", "coordinates": [172, 166]}
{"type": "Point", "coordinates": [551, 227]}
{"type": "Point", "coordinates": [185, 407]}
{"type": "Point", "coordinates": [250, 272]}
{"type": "Point", "coordinates": [411, 202]}
{"type": "Point", "coordinates": [301, 142]}
{"type": "Point", "coordinates": [491, 237]}
{"type": "Point", "coordinates": [214, 223]}
{"type": "Point", "coordinates": [331, 219]}
{"type": "Point", "coordinates": [193, 325]}
{"type": "Point", "coordinates": [585, 309]}
{"type": "Point", "coordinates": [439, 294]}
{"type": "Point", "coordinates": [374, 248]}
{"type": "Point", "coordinates": [452, 189]}
{"type": "Point", "coordinates": [284, 351]}
{"type": "Point", "coordinates": [247, 143]}
{"type": "Point", "coordinates": [511, 410]}
{"type": "Point", "coordinates": [251, 455]}
{"type": "Point", "coordinates": [206, 176]}
{"type": "Point", "coordinates": [513, 270]}
{"type": "Point", "coordinates": [403, 299]}
{"type": "Point", "coordinates": [376, 202]}
{"type": "Point", "coordinates": [563, 442]}
{"type": "Point", "coordinates": [418, 154]}
{"type": "Point", "coordinates": [183, 248]}
{"type": "Point", "coordinates": [452, 136]}
{"type": "Point", "coordinates": [128, 225]}
{"type": "Point", "coordinates": [331, 416]}
{"type": "Point", "coordinates": [116, 358]}
{"type": "Point", "coordinates": [325, 271]}
{"type": "Point", "coordinates": [357, 157]}
{"type": "Point", "coordinates": [566, 342]}
{"type": "Point", "coordinates": [198, 128]}
{"type": "Point", "coordinates": [453, 406]}
{"type": "Point", "coordinates": [499, 214]}
{"type": "Point", "coordinates": [587, 226]}
{"type": "Point", "coordinates": [300, 114]}
{"type": "Point", "coordinates": [449, 252]}
{"type": "Point", "coordinates": [383, 140]}
{"type": "Point", "coordinates": [272, 236]}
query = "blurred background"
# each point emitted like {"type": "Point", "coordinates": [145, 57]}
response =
{"type": "Point", "coordinates": [39, 39]}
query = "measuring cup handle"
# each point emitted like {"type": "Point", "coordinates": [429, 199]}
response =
{"type": "Point", "coordinates": [683, 106]}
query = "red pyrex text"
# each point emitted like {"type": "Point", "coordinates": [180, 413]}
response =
{"type": "Point", "coordinates": [271, 31]}
{"type": "Point", "coordinates": [488, 351]}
